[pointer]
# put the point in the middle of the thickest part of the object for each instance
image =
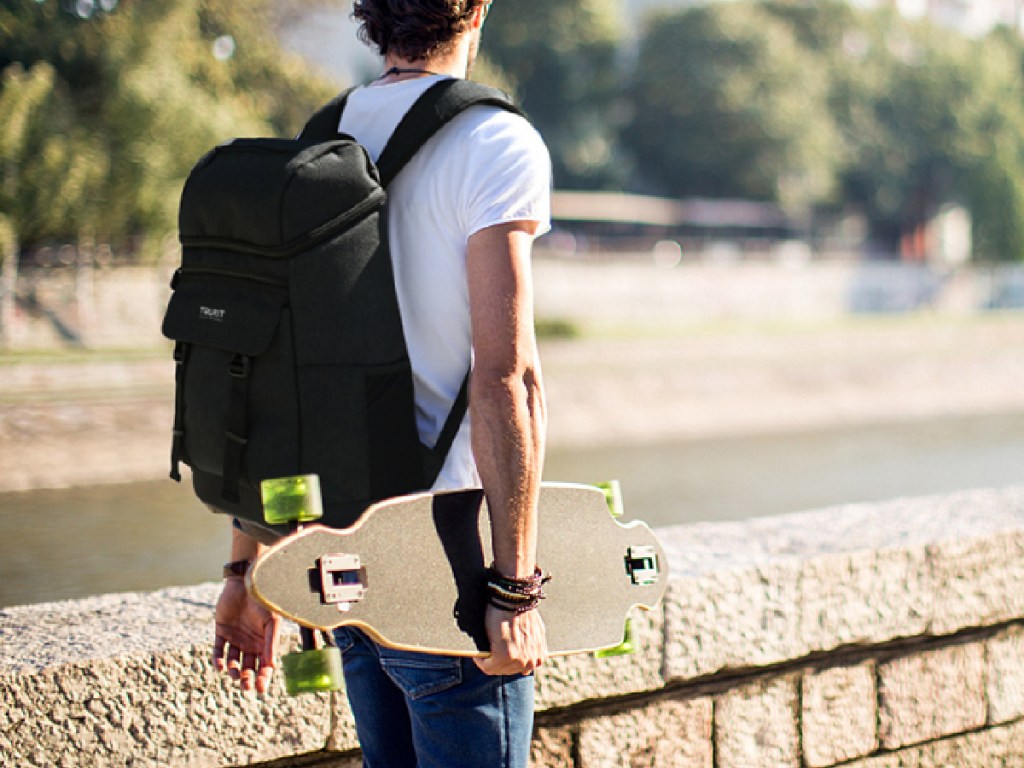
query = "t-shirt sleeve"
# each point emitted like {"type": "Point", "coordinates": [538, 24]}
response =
{"type": "Point", "coordinates": [510, 178]}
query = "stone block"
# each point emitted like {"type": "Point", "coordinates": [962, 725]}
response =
{"type": "Point", "coordinates": [668, 733]}
{"type": "Point", "coordinates": [864, 597]}
{"type": "Point", "coordinates": [839, 714]}
{"type": "Point", "coordinates": [733, 620]}
{"type": "Point", "coordinates": [1004, 655]}
{"type": "Point", "coordinates": [128, 680]}
{"type": "Point", "coordinates": [930, 694]}
{"type": "Point", "coordinates": [1000, 747]}
{"type": "Point", "coordinates": [166, 710]}
{"type": "Point", "coordinates": [756, 725]}
{"type": "Point", "coordinates": [552, 748]}
{"type": "Point", "coordinates": [568, 680]}
{"type": "Point", "coordinates": [342, 732]}
{"type": "Point", "coordinates": [977, 581]}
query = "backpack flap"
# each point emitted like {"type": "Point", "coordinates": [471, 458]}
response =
{"type": "Point", "coordinates": [221, 315]}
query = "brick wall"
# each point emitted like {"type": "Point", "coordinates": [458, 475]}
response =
{"type": "Point", "coordinates": [955, 702]}
{"type": "Point", "coordinates": [866, 636]}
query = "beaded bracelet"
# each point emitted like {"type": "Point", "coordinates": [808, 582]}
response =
{"type": "Point", "coordinates": [515, 595]}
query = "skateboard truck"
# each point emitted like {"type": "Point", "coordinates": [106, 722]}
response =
{"type": "Point", "coordinates": [293, 501]}
{"type": "Point", "coordinates": [642, 565]}
{"type": "Point", "coordinates": [342, 582]}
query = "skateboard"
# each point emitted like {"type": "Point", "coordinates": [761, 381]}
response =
{"type": "Point", "coordinates": [412, 572]}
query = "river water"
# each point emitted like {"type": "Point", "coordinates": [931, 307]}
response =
{"type": "Point", "coordinates": [71, 543]}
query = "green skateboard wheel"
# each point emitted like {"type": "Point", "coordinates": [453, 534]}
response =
{"type": "Point", "coordinates": [312, 671]}
{"type": "Point", "coordinates": [626, 647]}
{"type": "Point", "coordinates": [294, 499]}
{"type": "Point", "coordinates": [613, 496]}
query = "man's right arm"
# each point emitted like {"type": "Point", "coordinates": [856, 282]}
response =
{"type": "Point", "coordinates": [246, 633]}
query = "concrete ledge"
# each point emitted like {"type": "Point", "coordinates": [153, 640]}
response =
{"type": "Point", "coordinates": [839, 633]}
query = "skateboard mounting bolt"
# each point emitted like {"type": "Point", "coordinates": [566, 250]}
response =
{"type": "Point", "coordinates": [642, 565]}
{"type": "Point", "coordinates": [340, 580]}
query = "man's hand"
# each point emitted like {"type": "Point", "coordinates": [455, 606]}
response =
{"type": "Point", "coordinates": [245, 644]}
{"type": "Point", "coordinates": [518, 642]}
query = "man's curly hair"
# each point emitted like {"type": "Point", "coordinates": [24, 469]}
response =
{"type": "Point", "coordinates": [413, 29]}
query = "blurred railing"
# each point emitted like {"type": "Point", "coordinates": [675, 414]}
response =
{"type": "Point", "coordinates": [66, 302]}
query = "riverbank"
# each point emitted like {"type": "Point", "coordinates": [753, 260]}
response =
{"type": "Point", "coordinates": [85, 419]}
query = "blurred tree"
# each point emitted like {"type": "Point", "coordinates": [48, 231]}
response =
{"type": "Point", "coordinates": [561, 60]}
{"type": "Point", "coordinates": [824, 104]}
{"type": "Point", "coordinates": [135, 95]}
{"type": "Point", "coordinates": [49, 163]}
{"type": "Point", "coordinates": [47, 169]}
{"type": "Point", "coordinates": [931, 117]}
{"type": "Point", "coordinates": [727, 103]}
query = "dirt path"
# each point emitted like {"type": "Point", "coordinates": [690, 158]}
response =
{"type": "Point", "coordinates": [97, 422]}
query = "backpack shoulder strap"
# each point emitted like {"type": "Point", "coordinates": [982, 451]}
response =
{"type": "Point", "coordinates": [323, 125]}
{"type": "Point", "coordinates": [438, 105]}
{"type": "Point", "coordinates": [434, 109]}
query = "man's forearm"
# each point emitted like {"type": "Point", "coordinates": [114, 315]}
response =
{"type": "Point", "coordinates": [509, 423]}
{"type": "Point", "coordinates": [506, 398]}
{"type": "Point", "coordinates": [243, 546]}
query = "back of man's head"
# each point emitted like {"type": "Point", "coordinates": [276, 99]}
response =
{"type": "Point", "coordinates": [414, 29]}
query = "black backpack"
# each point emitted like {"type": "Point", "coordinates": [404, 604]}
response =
{"type": "Point", "coordinates": [289, 350]}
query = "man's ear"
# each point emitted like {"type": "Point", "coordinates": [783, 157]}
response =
{"type": "Point", "coordinates": [480, 14]}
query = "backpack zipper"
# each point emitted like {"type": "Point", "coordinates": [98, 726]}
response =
{"type": "Point", "coordinates": [318, 234]}
{"type": "Point", "coordinates": [226, 274]}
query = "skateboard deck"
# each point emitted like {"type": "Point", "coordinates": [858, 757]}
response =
{"type": "Point", "coordinates": [411, 572]}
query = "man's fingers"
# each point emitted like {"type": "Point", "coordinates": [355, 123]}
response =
{"type": "Point", "coordinates": [504, 665]}
{"type": "Point", "coordinates": [233, 662]}
{"type": "Point", "coordinates": [218, 653]}
{"type": "Point", "coordinates": [271, 633]}
{"type": "Point", "coordinates": [263, 679]}
{"type": "Point", "coordinates": [247, 673]}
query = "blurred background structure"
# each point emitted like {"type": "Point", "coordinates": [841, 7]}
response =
{"type": "Point", "coordinates": [877, 129]}
{"type": "Point", "coordinates": [772, 218]}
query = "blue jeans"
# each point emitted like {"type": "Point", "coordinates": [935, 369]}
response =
{"type": "Point", "coordinates": [414, 710]}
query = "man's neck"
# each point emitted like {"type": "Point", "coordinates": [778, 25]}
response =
{"type": "Point", "coordinates": [453, 64]}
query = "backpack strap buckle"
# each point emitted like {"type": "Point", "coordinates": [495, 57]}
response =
{"type": "Point", "coordinates": [240, 366]}
{"type": "Point", "coordinates": [181, 350]}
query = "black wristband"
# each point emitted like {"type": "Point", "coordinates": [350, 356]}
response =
{"type": "Point", "coordinates": [236, 569]}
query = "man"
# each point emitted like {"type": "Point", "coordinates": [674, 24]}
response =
{"type": "Point", "coordinates": [462, 218]}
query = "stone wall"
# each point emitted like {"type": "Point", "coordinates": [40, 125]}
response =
{"type": "Point", "coordinates": [869, 636]}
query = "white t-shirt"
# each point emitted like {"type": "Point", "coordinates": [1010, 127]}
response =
{"type": "Point", "coordinates": [486, 167]}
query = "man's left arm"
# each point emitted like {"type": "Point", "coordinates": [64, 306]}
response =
{"type": "Point", "coordinates": [508, 426]}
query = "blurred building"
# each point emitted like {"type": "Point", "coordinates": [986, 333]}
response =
{"type": "Point", "coordinates": [973, 17]}
{"type": "Point", "coordinates": [976, 17]}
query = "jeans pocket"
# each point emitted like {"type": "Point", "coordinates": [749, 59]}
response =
{"type": "Point", "coordinates": [343, 639]}
{"type": "Point", "coordinates": [420, 675]}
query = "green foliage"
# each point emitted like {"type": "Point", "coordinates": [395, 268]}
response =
{"type": "Point", "coordinates": [804, 103]}
{"type": "Point", "coordinates": [728, 104]}
{"type": "Point", "coordinates": [929, 117]}
{"type": "Point", "coordinates": [561, 60]}
{"type": "Point", "coordinates": [50, 165]}
{"type": "Point", "coordinates": [103, 117]}
{"type": "Point", "coordinates": [823, 104]}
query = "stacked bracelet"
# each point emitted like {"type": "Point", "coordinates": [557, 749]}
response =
{"type": "Point", "coordinates": [515, 595]}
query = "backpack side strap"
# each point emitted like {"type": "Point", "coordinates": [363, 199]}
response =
{"type": "Point", "coordinates": [434, 458]}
